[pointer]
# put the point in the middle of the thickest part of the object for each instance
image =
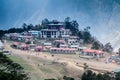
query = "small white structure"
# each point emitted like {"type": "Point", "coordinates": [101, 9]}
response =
{"type": "Point", "coordinates": [47, 44]}
{"type": "Point", "coordinates": [49, 33]}
{"type": "Point", "coordinates": [7, 52]}
{"type": "Point", "coordinates": [59, 41]}
{"type": "Point", "coordinates": [74, 38]}
{"type": "Point", "coordinates": [14, 36]}
{"type": "Point", "coordinates": [32, 46]}
{"type": "Point", "coordinates": [20, 38]}
{"type": "Point", "coordinates": [81, 48]}
{"type": "Point", "coordinates": [7, 36]}
{"type": "Point", "coordinates": [65, 33]}
{"type": "Point", "coordinates": [72, 42]}
{"type": "Point", "coordinates": [63, 50]}
{"type": "Point", "coordinates": [63, 46]}
{"type": "Point", "coordinates": [34, 33]}
{"type": "Point", "coordinates": [74, 46]}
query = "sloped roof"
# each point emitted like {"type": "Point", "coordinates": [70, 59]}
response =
{"type": "Point", "coordinates": [93, 51]}
{"type": "Point", "coordinates": [15, 43]}
{"type": "Point", "coordinates": [39, 47]}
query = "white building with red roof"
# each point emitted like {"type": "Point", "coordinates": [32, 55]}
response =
{"type": "Point", "coordinates": [91, 52]}
{"type": "Point", "coordinates": [55, 30]}
{"type": "Point", "coordinates": [63, 50]}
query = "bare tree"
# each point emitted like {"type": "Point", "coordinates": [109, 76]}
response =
{"type": "Point", "coordinates": [85, 66]}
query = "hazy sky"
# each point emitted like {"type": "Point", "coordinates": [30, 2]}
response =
{"type": "Point", "coordinates": [102, 15]}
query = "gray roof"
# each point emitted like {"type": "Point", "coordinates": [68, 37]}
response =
{"type": "Point", "coordinates": [49, 30]}
{"type": "Point", "coordinates": [59, 24]}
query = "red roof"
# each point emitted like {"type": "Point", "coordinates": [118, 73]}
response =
{"type": "Point", "coordinates": [15, 43]}
{"type": "Point", "coordinates": [62, 28]}
{"type": "Point", "coordinates": [24, 45]}
{"type": "Point", "coordinates": [39, 47]}
{"type": "Point", "coordinates": [93, 51]}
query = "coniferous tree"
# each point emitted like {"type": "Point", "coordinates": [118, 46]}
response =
{"type": "Point", "coordinates": [96, 45]}
{"type": "Point", "coordinates": [24, 26]}
{"type": "Point", "coordinates": [108, 47]}
{"type": "Point", "coordinates": [10, 70]}
{"type": "Point", "coordinates": [89, 75]}
{"type": "Point", "coordinates": [117, 76]}
{"type": "Point", "coordinates": [87, 37]}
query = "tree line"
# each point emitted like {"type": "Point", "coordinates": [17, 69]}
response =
{"type": "Point", "coordinates": [10, 70]}
{"type": "Point", "coordinates": [69, 24]}
{"type": "Point", "coordinates": [90, 75]}
{"type": "Point", "coordinates": [73, 25]}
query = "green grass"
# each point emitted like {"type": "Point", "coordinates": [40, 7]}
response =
{"type": "Point", "coordinates": [22, 62]}
{"type": "Point", "coordinates": [35, 76]}
{"type": "Point", "coordinates": [26, 66]}
{"type": "Point", "coordinates": [16, 59]}
{"type": "Point", "coordinates": [62, 71]}
{"type": "Point", "coordinates": [45, 70]}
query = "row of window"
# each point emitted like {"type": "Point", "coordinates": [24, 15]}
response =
{"type": "Point", "coordinates": [63, 51]}
{"type": "Point", "coordinates": [91, 54]}
{"type": "Point", "coordinates": [64, 33]}
{"type": "Point", "coordinates": [49, 36]}
{"type": "Point", "coordinates": [50, 33]}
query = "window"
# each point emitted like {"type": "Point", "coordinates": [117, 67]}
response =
{"type": "Point", "coordinates": [42, 33]}
{"type": "Point", "coordinates": [54, 33]}
{"type": "Point", "coordinates": [55, 50]}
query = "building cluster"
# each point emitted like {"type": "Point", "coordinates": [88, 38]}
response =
{"type": "Point", "coordinates": [55, 39]}
{"type": "Point", "coordinates": [53, 30]}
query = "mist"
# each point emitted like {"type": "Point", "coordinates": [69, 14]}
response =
{"type": "Point", "coordinates": [102, 15]}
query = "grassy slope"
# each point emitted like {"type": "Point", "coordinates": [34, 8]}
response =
{"type": "Point", "coordinates": [26, 67]}
{"type": "Point", "coordinates": [49, 71]}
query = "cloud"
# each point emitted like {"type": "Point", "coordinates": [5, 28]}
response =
{"type": "Point", "coordinates": [102, 15]}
